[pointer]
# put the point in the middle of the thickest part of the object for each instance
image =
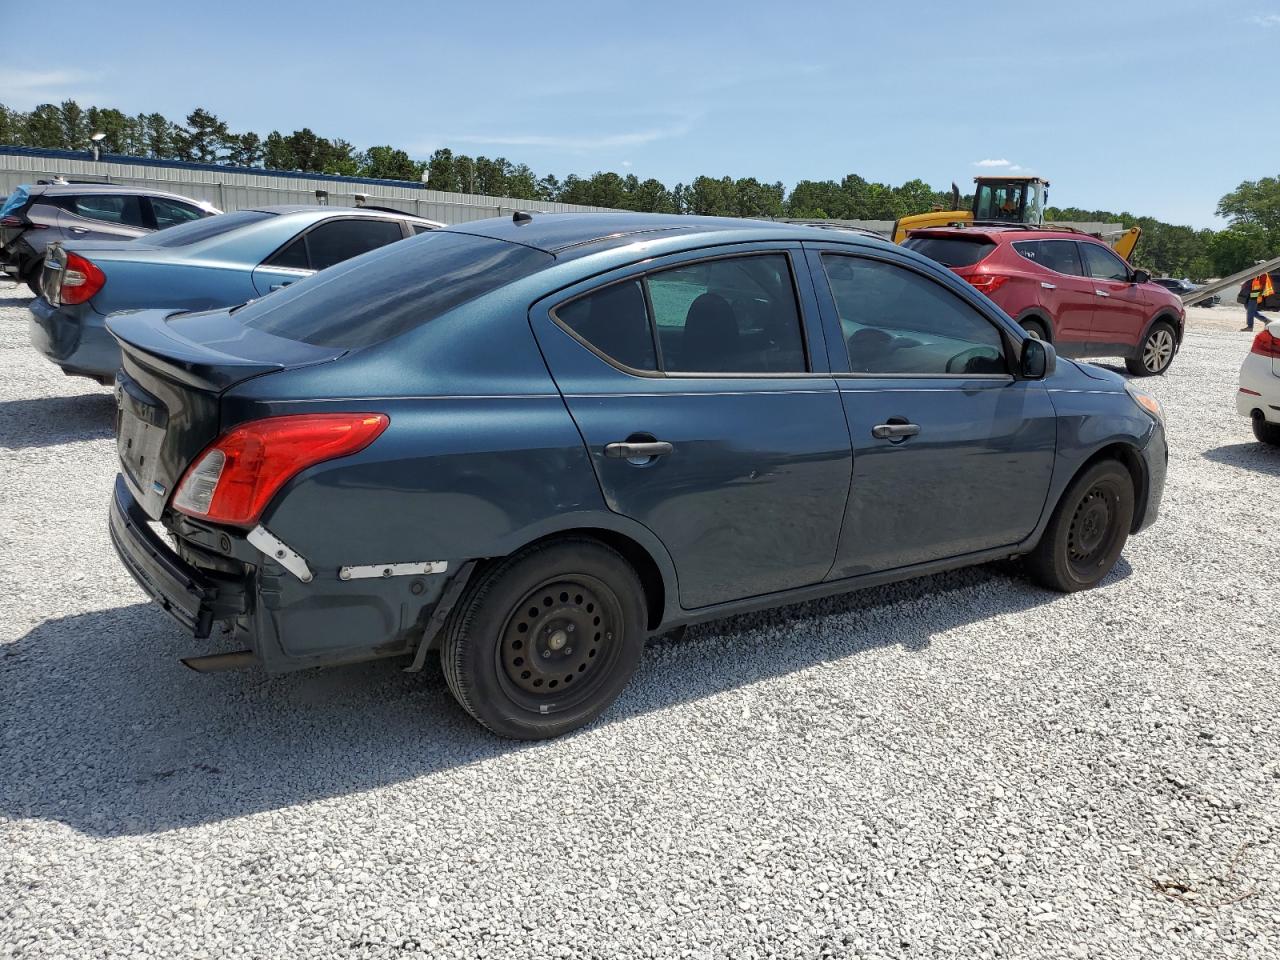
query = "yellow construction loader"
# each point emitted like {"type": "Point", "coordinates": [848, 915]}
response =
{"type": "Point", "coordinates": [1008, 200]}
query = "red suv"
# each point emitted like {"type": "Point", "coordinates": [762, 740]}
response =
{"type": "Point", "coordinates": [1069, 288]}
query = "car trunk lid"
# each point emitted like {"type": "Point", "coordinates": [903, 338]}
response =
{"type": "Point", "coordinates": [176, 366]}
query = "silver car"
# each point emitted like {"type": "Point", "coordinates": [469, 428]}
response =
{"type": "Point", "coordinates": [34, 216]}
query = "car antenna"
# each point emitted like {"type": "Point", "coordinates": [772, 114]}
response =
{"type": "Point", "coordinates": [521, 217]}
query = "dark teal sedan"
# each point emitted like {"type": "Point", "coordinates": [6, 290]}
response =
{"type": "Point", "coordinates": [529, 444]}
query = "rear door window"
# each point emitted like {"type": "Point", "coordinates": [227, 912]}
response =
{"type": "Point", "coordinates": [727, 315]}
{"type": "Point", "coordinates": [732, 315]}
{"type": "Point", "coordinates": [170, 213]}
{"type": "Point", "coordinates": [952, 251]}
{"type": "Point", "coordinates": [1102, 264]}
{"type": "Point", "coordinates": [118, 208]}
{"type": "Point", "coordinates": [1061, 256]}
{"type": "Point", "coordinates": [896, 321]}
{"type": "Point", "coordinates": [339, 240]}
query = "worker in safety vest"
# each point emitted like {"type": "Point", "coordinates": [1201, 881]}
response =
{"type": "Point", "coordinates": [1259, 290]}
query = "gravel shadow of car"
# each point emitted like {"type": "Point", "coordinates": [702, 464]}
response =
{"type": "Point", "coordinates": [15, 296]}
{"type": "Point", "coordinates": [50, 421]}
{"type": "Point", "coordinates": [104, 731]}
{"type": "Point", "coordinates": [1255, 456]}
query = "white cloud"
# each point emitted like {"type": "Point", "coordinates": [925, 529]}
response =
{"type": "Point", "coordinates": [992, 163]}
{"type": "Point", "coordinates": [1265, 20]}
{"type": "Point", "coordinates": [24, 89]}
{"type": "Point", "coordinates": [586, 144]}
{"type": "Point", "coordinates": [626, 163]}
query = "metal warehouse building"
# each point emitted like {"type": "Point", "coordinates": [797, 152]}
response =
{"type": "Point", "coordinates": [233, 188]}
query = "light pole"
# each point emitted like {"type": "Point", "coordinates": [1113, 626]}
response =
{"type": "Point", "coordinates": [96, 141]}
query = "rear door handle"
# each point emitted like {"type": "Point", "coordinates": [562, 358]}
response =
{"type": "Point", "coordinates": [80, 230]}
{"type": "Point", "coordinates": [638, 451]}
{"type": "Point", "coordinates": [1048, 286]}
{"type": "Point", "coordinates": [894, 431]}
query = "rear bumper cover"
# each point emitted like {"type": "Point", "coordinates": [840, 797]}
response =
{"type": "Point", "coordinates": [77, 341]}
{"type": "Point", "coordinates": [192, 597]}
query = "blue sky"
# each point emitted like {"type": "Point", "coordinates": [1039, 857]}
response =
{"type": "Point", "coordinates": [1095, 96]}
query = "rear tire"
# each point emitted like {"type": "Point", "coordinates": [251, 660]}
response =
{"type": "Point", "coordinates": [34, 271]}
{"type": "Point", "coordinates": [1156, 353]}
{"type": "Point", "coordinates": [1088, 529]}
{"type": "Point", "coordinates": [1264, 431]}
{"type": "Point", "coordinates": [546, 639]}
{"type": "Point", "coordinates": [1036, 329]}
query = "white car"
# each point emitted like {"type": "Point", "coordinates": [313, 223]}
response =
{"type": "Point", "coordinates": [1259, 394]}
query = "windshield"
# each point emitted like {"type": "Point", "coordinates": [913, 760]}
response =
{"type": "Point", "coordinates": [388, 291]}
{"type": "Point", "coordinates": [1015, 201]}
{"type": "Point", "coordinates": [203, 229]}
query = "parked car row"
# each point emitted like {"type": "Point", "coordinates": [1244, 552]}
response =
{"type": "Point", "coordinates": [1183, 287]}
{"type": "Point", "coordinates": [35, 216]}
{"type": "Point", "coordinates": [217, 262]}
{"type": "Point", "coordinates": [526, 445]}
{"type": "Point", "coordinates": [1067, 288]}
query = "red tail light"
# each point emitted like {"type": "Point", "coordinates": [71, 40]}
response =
{"type": "Point", "coordinates": [1265, 345]}
{"type": "Point", "coordinates": [235, 478]}
{"type": "Point", "coordinates": [12, 221]}
{"type": "Point", "coordinates": [988, 283]}
{"type": "Point", "coordinates": [81, 279]}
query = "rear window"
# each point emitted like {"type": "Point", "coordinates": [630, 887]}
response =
{"type": "Point", "coordinates": [197, 230]}
{"type": "Point", "coordinates": [952, 251]}
{"type": "Point", "coordinates": [391, 290]}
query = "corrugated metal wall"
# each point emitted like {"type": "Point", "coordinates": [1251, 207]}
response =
{"type": "Point", "coordinates": [234, 189]}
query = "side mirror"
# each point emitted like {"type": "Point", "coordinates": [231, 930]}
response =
{"type": "Point", "coordinates": [1141, 276]}
{"type": "Point", "coordinates": [1038, 359]}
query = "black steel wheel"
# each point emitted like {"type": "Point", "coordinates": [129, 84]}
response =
{"type": "Point", "coordinates": [545, 640]}
{"type": "Point", "coordinates": [1156, 352]}
{"type": "Point", "coordinates": [1088, 529]}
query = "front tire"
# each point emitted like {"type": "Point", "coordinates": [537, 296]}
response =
{"type": "Point", "coordinates": [1264, 431]}
{"type": "Point", "coordinates": [1088, 529]}
{"type": "Point", "coordinates": [1156, 352]}
{"type": "Point", "coordinates": [545, 640]}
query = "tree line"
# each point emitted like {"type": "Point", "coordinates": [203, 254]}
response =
{"type": "Point", "coordinates": [1253, 208]}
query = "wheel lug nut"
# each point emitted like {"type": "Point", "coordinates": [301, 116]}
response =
{"type": "Point", "coordinates": [546, 654]}
{"type": "Point", "coordinates": [568, 650]}
{"type": "Point", "coordinates": [569, 628]}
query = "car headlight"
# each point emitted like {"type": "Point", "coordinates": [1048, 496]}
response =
{"type": "Point", "coordinates": [1146, 401]}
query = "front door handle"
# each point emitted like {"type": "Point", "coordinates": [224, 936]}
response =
{"type": "Point", "coordinates": [894, 431]}
{"type": "Point", "coordinates": [281, 285]}
{"type": "Point", "coordinates": [79, 230]}
{"type": "Point", "coordinates": [1102, 293]}
{"type": "Point", "coordinates": [1048, 286]}
{"type": "Point", "coordinates": [638, 451]}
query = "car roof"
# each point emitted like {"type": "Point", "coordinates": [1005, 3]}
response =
{"type": "Point", "coordinates": [998, 234]}
{"type": "Point", "coordinates": [282, 209]}
{"type": "Point", "coordinates": [64, 189]}
{"type": "Point", "coordinates": [582, 233]}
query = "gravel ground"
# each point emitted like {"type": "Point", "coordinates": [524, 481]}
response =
{"type": "Point", "coordinates": [960, 766]}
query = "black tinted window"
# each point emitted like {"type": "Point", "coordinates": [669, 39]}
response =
{"type": "Point", "coordinates": [340, 240]}
{"type": "Point", "coordinates": [293, 255]}
{"type": "Point", "coordinates": [896, 321]}
{"type": "Point", "coordinates": [389, 291]}
{"type": "Point", "coordinates": [1102, 264]}
{"type": "Point", "coordinates": [734, 315]}
{"type": "Point", "coordinates": [197, 230]}
{"type": "Point", "coordinates": [1061, 256]}
{"type": "Point", "coordinates": [115, 208]}
{"type": "Point", "coordinates": [169, 213]}
{"type": "Point", "coordinates": [421, 228]}
{"type": "Point", "coordinates": [614, 321]}
{"type": "Point", "coordinates": [951, 251]}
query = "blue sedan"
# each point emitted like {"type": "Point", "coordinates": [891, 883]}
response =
{"type": "Point", "coordinates": [527, 445]}
{"type": "Point", "coordinates": [217, 262]}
